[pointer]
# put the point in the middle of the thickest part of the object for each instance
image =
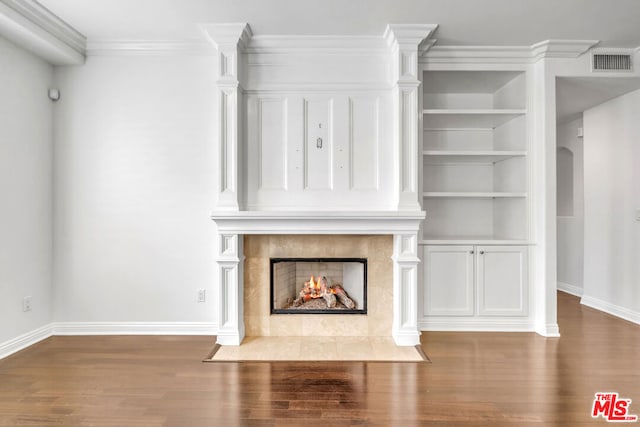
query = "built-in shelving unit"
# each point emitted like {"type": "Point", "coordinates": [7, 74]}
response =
{"type": "Point", "coordinates": [475, 157]}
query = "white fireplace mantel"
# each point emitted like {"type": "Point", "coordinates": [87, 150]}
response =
{"type": "Point", "coordinates": [403, 225]}
{"type": "Point", "coordinates": [318, 222]}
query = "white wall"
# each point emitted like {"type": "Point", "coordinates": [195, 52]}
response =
{"type": "Point", "coordinates": [612, 197]}
{"type": "Point", "coordinates": [25, 191]}
{"type": "Point", "coordinates": [134, 187]}
{"type": "Point", "coordinates": [570, 227]}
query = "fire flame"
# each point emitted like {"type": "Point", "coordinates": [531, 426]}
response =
{"type": "Point", "coordinates": [317, 288]}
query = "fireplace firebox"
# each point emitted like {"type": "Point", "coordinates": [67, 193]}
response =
{"type": "Point", "coordinates": [318, 285]}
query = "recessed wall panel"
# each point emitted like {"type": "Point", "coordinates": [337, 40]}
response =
{"type": "Point", "coordinates": [272, 144]}
{"type": "Point", "coordinates": [363, 143]}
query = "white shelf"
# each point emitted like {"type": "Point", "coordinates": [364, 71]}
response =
{"type": "Point", "coordinates": [453, 156]}
{"type": "Point", "coordinates": [437, 118]}
{"type": "Point", "coordinates": [472, 194]}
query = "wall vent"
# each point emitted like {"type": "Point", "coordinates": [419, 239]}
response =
{"type": "Point", "coordinates": [612, 62]}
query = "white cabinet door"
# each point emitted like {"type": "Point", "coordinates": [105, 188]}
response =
{"type": "Point", "coordinates": [502, 280]}
{"type": "Point", "coordinates": [448, 281]}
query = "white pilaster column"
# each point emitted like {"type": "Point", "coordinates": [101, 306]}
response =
{"type": "Point", "coordinates": [229, 40]}
{"type": "Point", "coordinates": [230, 296]}
{"type": "Point", "coordinates": [405, 289]}
{"type": "Point", "coordinates": [403, 40]}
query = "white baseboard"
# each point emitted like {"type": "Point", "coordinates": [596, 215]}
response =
{"type": "Point", "coordinates": [570, 289]}
{"type": "Point", "coordinates": [475, 325]}
{"type": "Point", "coordinates": [613, 309]}
{"type": "Point", "coordinates": [548, 330]}
{"type": "Point", "coordinates": [134, 328]}
{"type": "Point", "coordinates": [14, 345]}
{"type": "Point", "coordinates": [106, 328]}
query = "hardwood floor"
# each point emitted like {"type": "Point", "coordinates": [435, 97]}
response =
{"type": "Point", "coordinates": [483, 379]}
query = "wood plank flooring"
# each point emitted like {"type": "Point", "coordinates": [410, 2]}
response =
{"type": "Point", "coordinates": [481, 379]}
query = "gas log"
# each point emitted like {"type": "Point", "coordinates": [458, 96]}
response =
{"type": "Point", "coordinates": [322, 288]}
{"type": "Point", "coordinates": [341, 294]}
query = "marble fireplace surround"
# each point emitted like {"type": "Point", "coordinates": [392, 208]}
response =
{"type": "Point", "coordinates": [247, 239]}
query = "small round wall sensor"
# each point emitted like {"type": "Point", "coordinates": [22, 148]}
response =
{"type": "Point", "coordinates": [54, 94]}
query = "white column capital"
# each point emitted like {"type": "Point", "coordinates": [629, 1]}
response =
{"type": "Point", "coordinates": [230, 35]}
{"type": "Point", "coordinates": [404, 40]}
{"type": "Point", "coordinates": [408, 35]}
{"type": "Point", "coordinates": [230, 41]}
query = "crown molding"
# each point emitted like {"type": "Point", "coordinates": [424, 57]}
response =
{"type": "Point", "coordinates": [148, 48]}
{"type": "Point", "coordinates": [34, 27]}
{"type": "Point", "coordinates": [490, 54]}
{"type": "Point", "coordinates": [561, 48]}
{"type": "Point", "coordinates": [567, 49]}
{"type": "Point", "coordinates": [616, 50]}
{"type": "Point", "coordinates": [426, 45]}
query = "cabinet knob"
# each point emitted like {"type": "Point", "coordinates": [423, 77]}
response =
{"type": "Point", "coordinates": [471, 252]}
{"type": "Point", "coordinates": [481, 252]}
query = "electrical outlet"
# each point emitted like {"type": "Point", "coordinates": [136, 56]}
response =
{"type": "Point", "coordinates": [26, 303]}
{"type": "Point", "coordinates": [202, 295]}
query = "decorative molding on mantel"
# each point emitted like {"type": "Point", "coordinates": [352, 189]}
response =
{"type": "Point", "coordinates": [35, 27]}
{"type": "Point", "coordinates": [318, 222]}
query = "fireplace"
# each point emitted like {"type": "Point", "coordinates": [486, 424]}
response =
{"type": "Point", "coordinates": [318, 285]}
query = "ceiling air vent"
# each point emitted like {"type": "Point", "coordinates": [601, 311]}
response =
{"type": "Point", "coordinates": [611, 62]}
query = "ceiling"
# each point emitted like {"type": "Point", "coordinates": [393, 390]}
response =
{"type": "Point", "coordinates": [461, 22]}
{"type": "Point", "coordinates": [574, 95]}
